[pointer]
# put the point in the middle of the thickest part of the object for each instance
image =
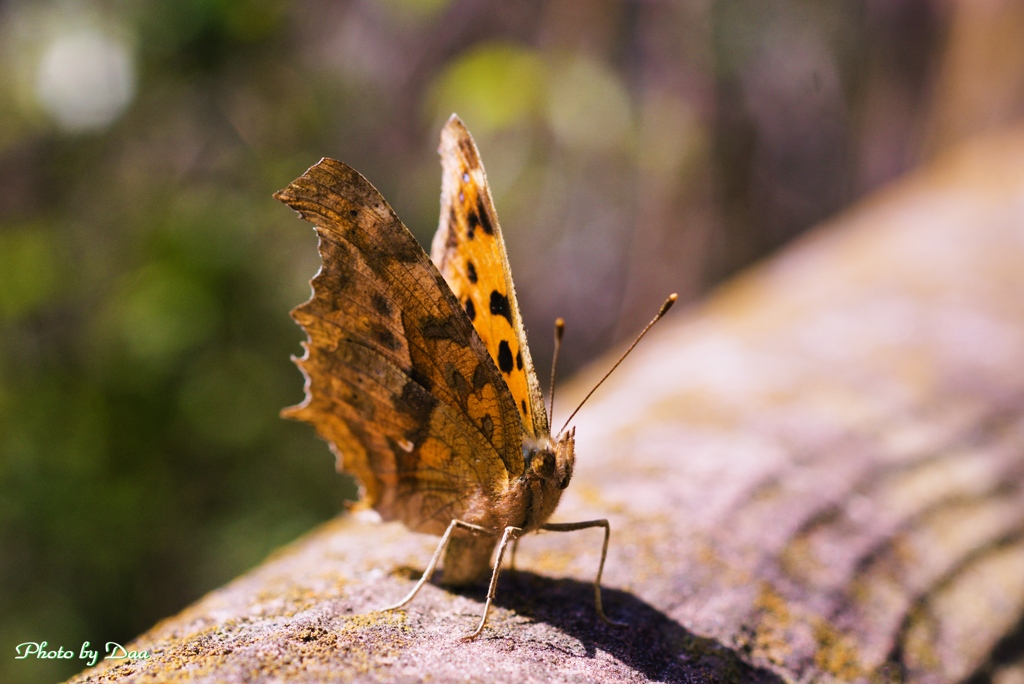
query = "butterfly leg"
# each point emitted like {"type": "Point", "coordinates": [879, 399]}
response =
{"type": "Point", "coordinates": [572, 527]}
{"type": "Point", "coordinates": [510, 533]}
{"type": "Point", "coordinates": [437, 556]}
{"type": "Point", "coordinates": [512, 556]}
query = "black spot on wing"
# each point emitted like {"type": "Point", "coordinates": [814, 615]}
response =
{"type": "Point", "coordinates": [359, 400]}
{"type": "Point", "coordinates": [416, 402]}
{"type": "Point", "coordinates": [386, 338]}
{"type": "Point", "coordinates": [443, 329]}
{"type": "Point", "coordinates": [470, 310]}
{"type": "Point", "coordinates": [457, 382]}
{"type": "Point", "coordinates": [471, 272]}
{"type": "Point", "coordinates": [468, 153]}
{"type": "Point", "coordinates": [379, 253]}
{"type": "Point", "coordinates": [487, 427]}
{"type": "Point", "coordinates": [519, 359]}
{"type": "Point", "coordinates": [485, 221]}
{"type": "Point", "coordinates": [381, 304]}
{"type": "Point", "coordinates": [500, 307]}
{"type": "Point", "coordinates": [479, 378]}
{"type": "Point", "coordinates": [522, 405]}
{"type": "Point", "coordinates": [505, 357]}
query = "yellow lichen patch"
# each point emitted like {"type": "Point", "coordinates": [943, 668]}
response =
{"type": "Point", "coordinates": [366, 642]}
{"type": "Point", "coordinates": [374, 619]}
{"type": "Point", "coordinates": [771, 637]}
{"type": "Point", "coordinates": [202, 653]}
{"type": "Point", "coordinates": [836, 653]}
{"type": "Point", "coordinates": [800, 561]}
{"type": "Point", "coordinates": [289, 600]}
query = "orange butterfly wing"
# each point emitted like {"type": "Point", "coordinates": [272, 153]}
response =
{"type": "Point", "coordinates": [469, 251]}
{"type": "Point", "coordinates": [397, 380]}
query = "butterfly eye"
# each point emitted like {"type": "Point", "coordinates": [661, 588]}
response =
{"type": "Point", "coordinates": [543, 464]}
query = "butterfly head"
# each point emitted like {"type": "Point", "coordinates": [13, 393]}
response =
{"type": "Point", "coordinates": [550, 462]}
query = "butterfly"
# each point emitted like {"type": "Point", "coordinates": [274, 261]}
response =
{"type": "Point", "coordinates": [417, 370]}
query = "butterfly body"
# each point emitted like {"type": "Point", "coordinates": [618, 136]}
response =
{"type": "Point", "coordinates": [527, 504]}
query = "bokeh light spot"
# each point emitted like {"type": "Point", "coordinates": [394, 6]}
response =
{"type": "Point", "coordinates": [589, 107]}
{"type": "Point", "coordinates": [491, 87]}
{"type": "Point", "coordinates": [85, 80]}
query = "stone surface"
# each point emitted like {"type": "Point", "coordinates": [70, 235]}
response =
{"type": "Point", "coordinates": [816, 475]}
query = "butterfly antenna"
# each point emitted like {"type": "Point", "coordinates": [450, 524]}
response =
{"type": "Point", "coordinates": [559, 331]}
{"type": "Point", "coordinates": [664, 309]}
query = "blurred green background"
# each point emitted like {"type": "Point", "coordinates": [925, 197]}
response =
{"type": "Point", "coordinates": [634, 148]}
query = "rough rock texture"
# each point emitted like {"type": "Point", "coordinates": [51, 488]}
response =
{"type": "Point", "coordinates": [815, 476]}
